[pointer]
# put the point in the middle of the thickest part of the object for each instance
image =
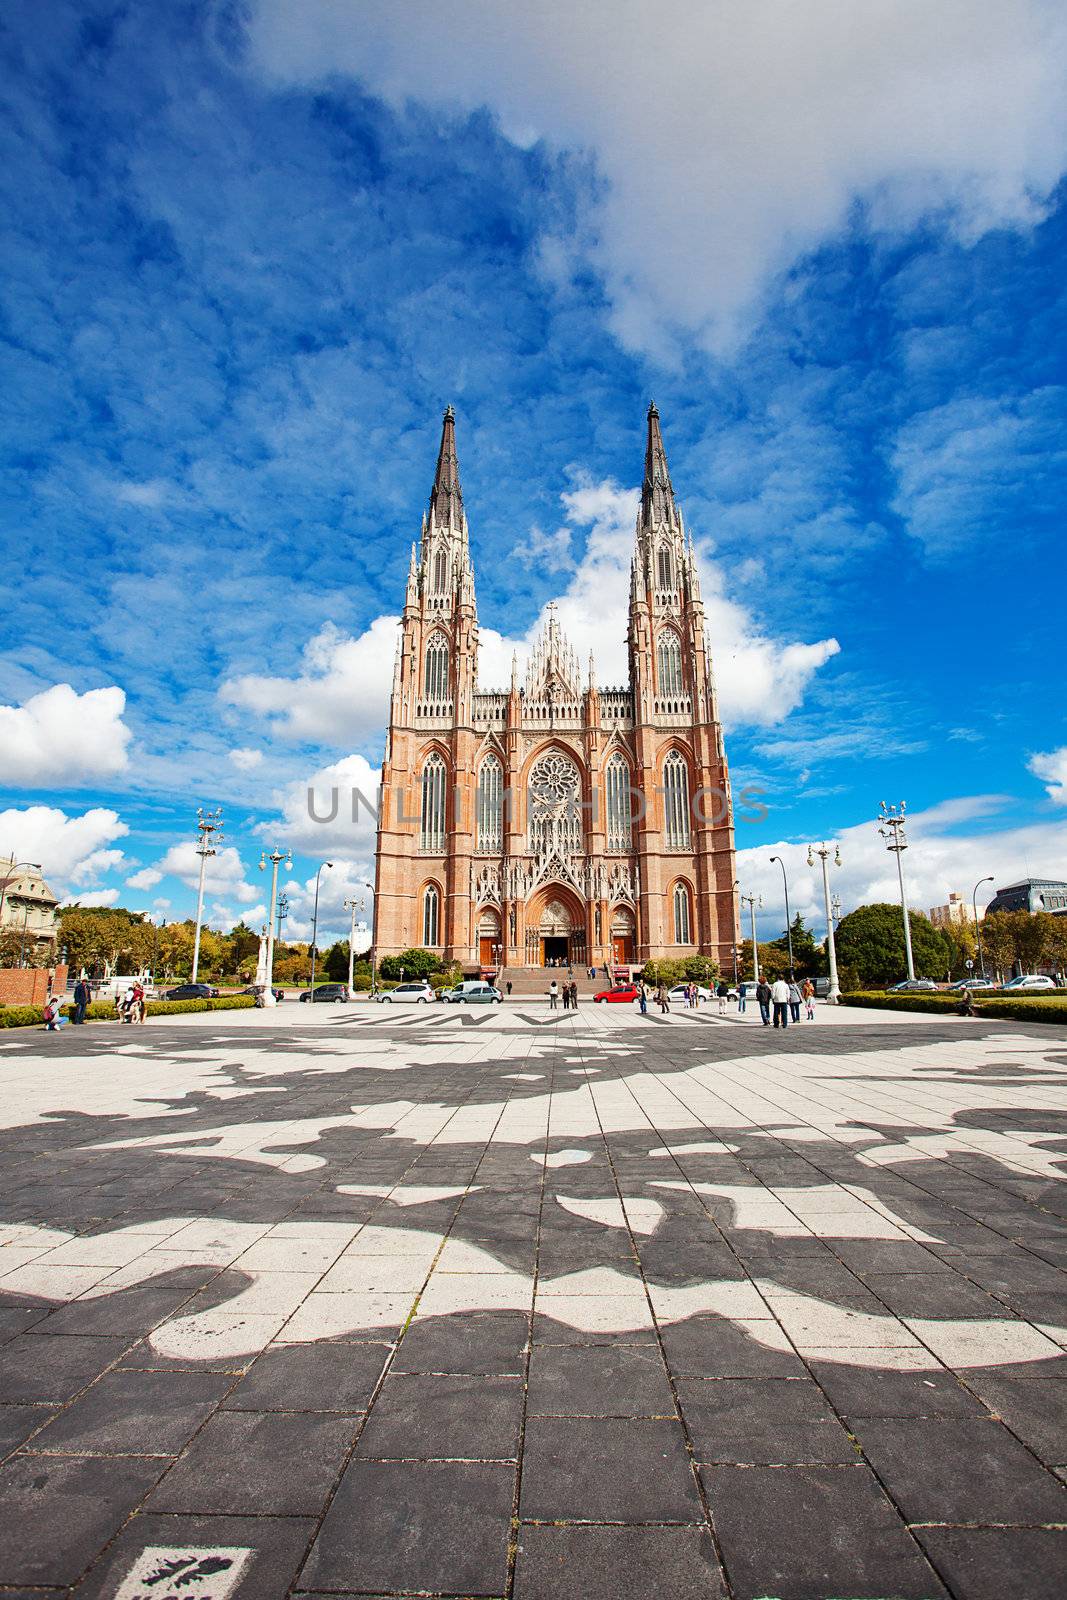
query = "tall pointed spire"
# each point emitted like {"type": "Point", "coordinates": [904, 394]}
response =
{"type": "Point", "coordinates": [657, 493]}
{"type": "Point", "coordinates": [446, 499]}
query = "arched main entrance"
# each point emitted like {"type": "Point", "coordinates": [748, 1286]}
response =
{"type": "Point", "coordinates": [489, 938]}
{"type": "Point", "coordinates": [623, 939]}
{"type": "Point", "coordinates": [555, 929]}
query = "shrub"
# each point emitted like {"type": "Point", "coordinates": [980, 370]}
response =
{"type": "Point", "coordinates": [1002, 1007]}
{"type": "Point", "coordinates": [233, 1002]}
{"type": "Point", "coordinates": [360, 982]}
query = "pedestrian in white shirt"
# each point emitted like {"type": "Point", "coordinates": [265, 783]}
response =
{"type": "Point", "coordinates": [780, 1001]}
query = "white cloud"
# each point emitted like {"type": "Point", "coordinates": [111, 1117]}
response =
{"type": "Point", "coordinates": [225, 871]}
{"type": "Point", "coordinates": [95, 866]}
{"type": "Point", "coordinates": [938, 859]}
{"type": "Point", "coordinates": [339, 820]}
{"type": "Point", "coordinates": [60, 737]}
{"type": "Point", "coordinates": [64, 845]}
{"type": "Point", "coordinates": [147, 878]}
{"type": "Point", "coordinates": [1052, 770]}
{"type": "Point", "coordinates": [345, 880]}
{"type": "Point", "coordinates": [741, 134]}
{"type": "Point", "coordinates": [246, 760]}
{"type": "Point", "coordinates": [340, 697]}
{"type": "Point", "coordinates": [98, 897]}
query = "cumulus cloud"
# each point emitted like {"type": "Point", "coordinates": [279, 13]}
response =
{"type": "Point", "coordinates": [340, 696]}
{"type": "Point", "coordinates": [246, 760]}
{"type": "Point", "coordinates": [345, 880]}
{"type": "Point", "coordinates": [740, 134]}
{"type": "Point", "coordinates": [1052, 770]}
{"type": "Point", "coordinates": [98, 897]}
{"type": "Point", "coordinates": [225, 873]}
{"type": "Point", "coordinates": [941, 856]}
{"type": "Point", "coordinates": [69, 848]}
{"type": "Point", "coordinates": [330, 813]}
{"type": "Point", "coordinates": [95, 866]}
{"type": "Point", "coordinates": [62, 738]}
{"type": "Point", "coordinates": [146, 878]}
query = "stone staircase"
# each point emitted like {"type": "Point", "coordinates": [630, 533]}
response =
{"type": "Point", "coordinates": [535, 980]}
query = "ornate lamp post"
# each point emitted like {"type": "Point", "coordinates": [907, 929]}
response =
{"type": "Point", "coordinates": [823, 852]}
{"type": "Point", "coordinates": [315, 928]}
{"type": "Point", "coordinates": [891, 819]}
{"type": "Point", "coordinates": [977, 927]}
{"type": "Point", "coordinates": [208, 838]}
{"type": "Point", "coordinates": [275, 858]}
{"type": "Point", "coordinates": [353, 906]}
{"type": "Point", "coordinates": [788, 922]}
{"type": "Point", "coordinates": [752, 901]}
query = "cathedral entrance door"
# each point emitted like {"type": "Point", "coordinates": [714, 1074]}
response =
{"type": "Point", "coordinates": [555, 951]}
{"type": "Point", "coordinates": [622, 946]}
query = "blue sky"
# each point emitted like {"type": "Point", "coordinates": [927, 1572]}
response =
{"type": "Point", "coordinates": [249, 252]}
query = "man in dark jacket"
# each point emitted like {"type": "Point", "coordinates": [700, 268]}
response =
{"type": "Point", "coordinates": [763, 995]}
{"type": "Point", "coordinates": [81, 1000]}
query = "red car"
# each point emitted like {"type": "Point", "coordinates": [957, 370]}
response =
{"type": "Point", "coordinates": [620, 995]}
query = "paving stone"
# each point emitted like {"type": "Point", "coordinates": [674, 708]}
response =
{"type": "Point", "coordinates": [795, 1532]}
{"type": "Point", "coordinates": [762, 1421]}
{"type": "Point", "coordinates": [606, 1470]}
{"type": "Point", "coordinates": [1035, 1409]}
{"type": "Point", "coordinates": [711, 1347]}
{"type": "Point", "coordinates": [43, 1367]}
{"type": "Point", "coordinates": [315, 1377]}
{"type": "Point", "coordinates": [959, 1470]}
{"type": "Point", "coordinates": [999, 1563]}
{"type": "Point", "coordinates": [18, 1422]}
{"type": "Point", "coordinates": [277, 1546]}
{"type": "Point", "coordinates": [487, 1342]}
{"type": "Point", "coordinates": [134, 1413]}
{"type": "Point", "coordinates": [444, 1417]}
{"type": "Point", "coordinates": [437, 1527]}
{"type": "Point", "coordinates": [264, 1463]}
{"type": "Point", "coordinates": [598, 1381]}
{"type": "Point", "coordinates": [606, 1563]}
{"type": "Point", "coordinates": [59, 1513]}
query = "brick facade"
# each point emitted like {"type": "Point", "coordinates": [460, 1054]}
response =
{"type": "Point", "coordinates": [30, 986]}
{"type": "Point", "coordinates": [555, 820]}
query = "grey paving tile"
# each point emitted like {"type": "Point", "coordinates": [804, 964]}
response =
{"type": "Point", "coordinates": [762, 1421]}
{"type": "Point", "coordinates": [959, 1470]}
{"type": "Point", "coordinates": [59, 1513]}
{"type": "Point", "coordinates": [999, 1563]}
{"type": "Point", "coordinates": [134, 1413]}
{"type": "Point", "coordinates": [43, 1367]}
{"type": "Point", "coordinates": [487, 1342]}
{"type": "Point", "coordinates": [424, 1417]}
{"type": "Point", "coordinates": [1035, 1409]}
{"type": "Point", "coordinates": [277, 1546]}
{"type": "Point", "coordinates": [437, 1527]}
{"type": "Point", "coordinates": [807, 1533]}
{"type": "Point", "coordinates": [130, 1314]}
{"type": "Point", "coordinates": [312, 1377]}
{"type": "Point", "coordinates": [606, 1470]}
{"type": "Point", "coordinates": [18, 1422]}
{"type": "Point", "coordinates": [870, 1392]}
{"type": "Point", "coordinates": [258, 1463]}
{"type": "Point", "coordinates": [712, 1347]}
{"type": "Point", "coordinates": [598, 1563]}
{"type": "Point", "coordinates": [598, 1381]}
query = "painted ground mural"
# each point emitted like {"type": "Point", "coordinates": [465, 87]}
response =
{"type": "Point", "coordinates": [526, 1305]}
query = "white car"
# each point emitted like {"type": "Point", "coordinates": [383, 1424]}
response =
{"type": "Point", "coordinates": [678, 993]}
{"type": "Point", "coordinates": [1033, 981]}
{"type": "Point", "coordinates": [407, 994]}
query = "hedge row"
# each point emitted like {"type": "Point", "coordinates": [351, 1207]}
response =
{"type": "Point", "coordinates": [104, 1011]}
{"type": "Point", "coordinates": [1030, 1009]}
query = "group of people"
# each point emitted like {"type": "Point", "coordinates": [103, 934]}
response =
{"type": "Point", "coordinates": [568, 991]}
{"type": "Point", "coordinates": [133, 1003]}
{"type": "Point", "coordinates": [784, 997]}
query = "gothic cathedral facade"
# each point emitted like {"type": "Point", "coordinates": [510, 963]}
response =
{"type": "Point", "coordinates": [554, 822]}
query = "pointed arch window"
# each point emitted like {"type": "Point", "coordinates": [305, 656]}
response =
{"type": "Point", "coordinates": [436, 678]}
{"type": "Point", "coordinates": [665, 569]}
{"type": "Point", "coordinates": [432, 829]}
{"type": "Point", "coordinates": [431, 916]}
{"type": "Point", "coordinates": [490, 804]}
{"type": "Point", "coordinates": [683, 922]}
{"type": "Point", "coordinates": [617, 784]}
{"type": "Point", "coordinates": [676, 802]}
{"type": "Point", "coordinates": [440, 572]}
{"type": "Point", "coordinates": [669, 663]}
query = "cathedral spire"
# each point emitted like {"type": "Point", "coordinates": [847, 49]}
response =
{"type": "Point", "coordinates": [446, 499]}
{"type": "Point", "coordinates": [657, 493]}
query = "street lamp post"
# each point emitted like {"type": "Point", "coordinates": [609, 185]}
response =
{"type": "Point", "coordinates": [823, 852]}
{"type": "Point", "coordinates": [208, 838]}
{"type": "Point", "coordinates": [353, 906]}
{"type": "Point", "coordinates": [752, 901]}
{"type": "Point", "coordinates": [977, 929]}
{"type": "Point", "coordinates": [315, 927]}
{"type": "Point", "coordinates": [283, 912]}
{"type": "Point", "coordinates": [788, 923]}
{"type": "Point", "coordinates": [275, 858]}
{"type": "Point", "coordinates": [891, 819]}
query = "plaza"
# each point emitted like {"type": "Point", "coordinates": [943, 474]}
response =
{"type": "Point", "coordinates": [515, 1303]}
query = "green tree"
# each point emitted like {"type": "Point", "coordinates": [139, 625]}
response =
{"type": "Point", "coordinates": [416, 964]}
{"type": "Point", "coordinates": [809, 960]}
{"type": "Point", "coordinates": [998, 942]}
{"type": "Point", "coordinates": [335, 962]}
{"type": "Point", "coordinates": [870, 943]}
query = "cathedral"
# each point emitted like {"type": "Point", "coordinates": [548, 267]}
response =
{"type": "Point", "coordinates": [553, 822]}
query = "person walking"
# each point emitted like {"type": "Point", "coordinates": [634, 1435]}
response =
{"type": "Point", "coordinates": [808, 991]}
{"type": "Point", "coordinates": [742, 995]}
{"type": "Point", "coordinates": [140, 1005]}
{"type": "Point", "coordinates": [723, 992]}
{"type": "Point", "coordinates": [81, 1000]}
{"type": "Point", "coordinates": [574, 996]}
{"type": "Point", "coordinates": [794, 999]}
{"type": "Point", "coordinates": [507, 988]}
{"type": "Point", "coordinates": [663, 998]}
{"type": "Point", "coordinates": [553, 995]}
{"type": "Point", "coordinates": [565, 991]}
{"type": "Point", "coordinates": [763, 998]}
{"type": "Point", "coordinates": [642, 998]}
{"type": "Point", "coordinates": [780, 1000]}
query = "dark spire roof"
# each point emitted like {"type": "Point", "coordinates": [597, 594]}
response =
{"type": "Point", "coordinates": [657, 494]}
{"type": "Point", "coordinates": [447, 494]}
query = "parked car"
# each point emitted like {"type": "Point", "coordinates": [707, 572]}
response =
{"type": "Point", "coordinates": [677, 992]}
{"type": "Point", "coordinates": [914, 986]}
{"type": "Point", "coordinates": [192, 991]}
{"type": "Point", "coordinates": [410, 994]}
{"type": "Point", "coordinates": [279, 994]}
{"type": "Point", "coordinates": [971, 983]}
{"type": "Point", "coordinates": [618, 996]}
{"type": "Point", "coordinates": [472, 993]}
{"type": "Point", "coordinates": [1034, 980]}
{"type": "Point", "coordinates": [336, 993]}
